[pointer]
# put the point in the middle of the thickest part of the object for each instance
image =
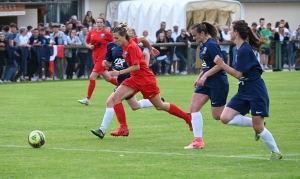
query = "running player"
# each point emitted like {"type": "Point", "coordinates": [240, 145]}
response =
{"type": "Point", "coordinates": [141, 78]}
{"type": "Point", "coordinates": [211, 84]}
{"type": "Point", "coordinates": [97, 41]}
{"type": "Point", "coordinates": [252, 93]}
{"type": "Point", "coordinates": [115, 60]}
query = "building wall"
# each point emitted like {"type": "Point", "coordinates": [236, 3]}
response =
{"type": "Point", "coordinates": [273, 12]}
{"type": "Point", "coordinates": [29, 19]}
{"type": "Point", "coordinates": [97, 7]}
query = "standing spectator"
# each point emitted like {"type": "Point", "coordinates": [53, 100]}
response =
{"type": "Point", "coordinates": [225, 48]}
{"type": "Point", "coordinates": [90, 15]}
{"type": "Point", "coordinates": [281, 36]}
{"type": "Point", "coordinates": [256, 32]}
{"type": "Point", "coordinates": [116, 23]}
{"type": "Point", "coordinates": [265, 48]}
{"type": "Point", "coordinates": [170, 53]}
{"type": "Point", "coordinates": [82, 53]}
{"type": "Point", "coordinates": [163, 55]}
{"type": "Point", "coordinates": [220, 37]}
{"type": "Point", "coordinates": [150, 40]}
{"type": "Point", "coordinates": [162, 29]}
{"type": "Point", "coordinates": [34, 72]}
{"type": "Point", "coordinates": [25, 51]}
{"type": "Point", "coordinates": [41, 26]}
{"type": "Point", "coordinates": [87, 22]}
{"type": "Point", "coordinates": [175, 60]}
{"type": "Point", "coordinates": [193, 49]}
{"type": "Point", "coordinates": [13, 29]}
{"type": "Point", "coordinates": [58, 37]}
{"type": "Point", "coordinates": [69, 27]}
{"type": "Point", "coordinates": [107, 24]}
{"type": "Point", "coordinates": [71, 54]}
{"type": "Point", "coordinates": [2, 55]}
{"type": "Point", "coordinates": [296, 41]}
{"type": "Point", "coordinates": [261, 25]}
{"type": "Point", "coordinates": [10, 62]}
{"type": "Point", "coordinates": [180, 51]}
{"type": "Point", "coordinates": [29, 29]}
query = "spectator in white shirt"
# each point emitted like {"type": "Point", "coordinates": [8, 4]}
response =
{"type": "Point", "coordinates": [175, 34]}
{"type": "Point", "coordinates": [225, 48]}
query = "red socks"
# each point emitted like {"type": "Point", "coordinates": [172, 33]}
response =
{"type": "Point", "coordinates": [91, 88]}
{"type": "Point", "coordinates": [176, 111]}
{"type": "Point", "coordinates": [114, 81]}
{"type": "Point", "coordinates": [120, 113]}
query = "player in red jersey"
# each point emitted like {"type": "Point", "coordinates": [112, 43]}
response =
{"type": "Point", "coordinates": [141, 79]}
{"type": "Point", "coordinates": [97, 40]}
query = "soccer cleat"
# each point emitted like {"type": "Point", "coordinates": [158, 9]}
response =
{"type": "Point", "coordinates": [196, 144]}
{"type": "Point", "coordinates": [275, 156]}
{"type": "Point", "coordinates": [120, 132]}
{"type": "Point", "coordinates": [256, 136]}
{"type": "Point", "coordinates": [189, 122]}
{"type": "Point", "coordinates": [84, 101]}
{"type": "Point", "coordinates": [98, 133]}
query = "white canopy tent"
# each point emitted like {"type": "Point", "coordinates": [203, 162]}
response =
{"type": "Point", "coordinates": [147, 15]}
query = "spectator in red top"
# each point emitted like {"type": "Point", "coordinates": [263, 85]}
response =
{"type": "Point", "coordinates": [97, 40]}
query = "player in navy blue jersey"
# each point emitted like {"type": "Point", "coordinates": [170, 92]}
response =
{"type": "Point", "coordinates": [252, 93]}
{"type": "Point", "coordinates": [115, 61]}
{"type": "Point", "coordinates": [211, 84]}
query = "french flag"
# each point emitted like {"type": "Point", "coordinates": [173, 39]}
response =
{"type": "Point", "coordinates": [58, 51]}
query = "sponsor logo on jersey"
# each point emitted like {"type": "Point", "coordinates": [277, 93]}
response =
{"type": "Point", "coordinates": [125, 54]}
{"type": "Point", "coordinates": [102, 36]}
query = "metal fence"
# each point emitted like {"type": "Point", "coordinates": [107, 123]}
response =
{"type": "Point", "coordinates": [275, 56]}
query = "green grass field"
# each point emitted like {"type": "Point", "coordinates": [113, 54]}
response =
{"type": "Point", "coordinates": [154, 148]}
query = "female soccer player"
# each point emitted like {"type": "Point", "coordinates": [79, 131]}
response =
{"type": "Point", "coordinates": [252, 93]}
{"type": "Point", "coordinates": [97, 41]}
{"type": "Point", "coordinates": [141, 78]}
{"type": "Point", "coordinates": [212, 82]}
{"type": "Point", "coordinates": [115, 60]}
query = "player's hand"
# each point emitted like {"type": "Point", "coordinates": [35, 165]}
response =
{"type": "Point", "coordinates": [201, 80]}
{"type": "Point", "coordinates": [154, 52]}
{"type": "Point", "coordinates": [218, 60]}
{"type": "Point", "coordinates": [106, 64]}
{"type": "Point", "coordinates": [92, 47]}
{"type": "Point", "coordinates": [114, 73]}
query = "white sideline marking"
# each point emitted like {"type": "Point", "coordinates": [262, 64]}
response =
{"type": "Point", "coordinates": [260, 157]}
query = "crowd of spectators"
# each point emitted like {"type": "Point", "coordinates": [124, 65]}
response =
{"type": "Point", "coordinates": [24, 60]}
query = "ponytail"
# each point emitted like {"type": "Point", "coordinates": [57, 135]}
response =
{"type": "Point", "coordinates": [207, 28]}
{"type": "Point", "coordinates": [122, 30]}
{"type": "Point", "coordinates": [246, 32]}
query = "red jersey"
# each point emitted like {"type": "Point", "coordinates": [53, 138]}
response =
{"type": "Point", "coordinates": [100, 41]}
{"type": "Point", "coordinates": [133, 55]}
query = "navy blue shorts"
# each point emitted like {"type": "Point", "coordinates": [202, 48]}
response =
{"type": "Point", "coordinates": [217, 96]}
{"type": "Point", "coordinates": [258, 106]}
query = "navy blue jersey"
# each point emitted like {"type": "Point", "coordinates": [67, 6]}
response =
{"type": "Point", "coordinates": [247, 63]}
{"type": "Point", "coordinates": [114, 55]}
{"type": "Point", "coordinates": [208, 52]}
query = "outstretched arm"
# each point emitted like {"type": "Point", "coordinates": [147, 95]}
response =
{"type": "Point", "coordinates": [218, 60]}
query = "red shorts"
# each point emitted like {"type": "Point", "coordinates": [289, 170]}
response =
{"type": "Point", "coordinates": [98, 67]}
{"type": "Point", "coordinates": [148, 90]}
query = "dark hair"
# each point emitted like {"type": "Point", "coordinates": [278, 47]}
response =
{"type": "Point", "coordinates": [41, 24]}
{"type": "Point", "coordinates": [29, 27]}
{"type": "Point", "coordinates": [122, 30]}
{"type": "Point", "coordinates": [261, 19]}
{"type": "Point", "coordinates": [13, 25]}
{"type": "Point", "coordinates": [245, 33]}
{"type": "Point", "coordinates": [254, 23]}
{"type": "Point", "coordinates": [36, 29]}
{"type": "Point", "coordinates": [269, 24]}
{"type": "Point", "coordinates": [286, 25]}
{"type": "Point", "coordinates": [163, 22]}
{"type": "Point", "coordinates": [5, 28]}
{"type": "Point", "coordinates": [277, 24]}
{"type": "Point", "coordinates": [207, 28]}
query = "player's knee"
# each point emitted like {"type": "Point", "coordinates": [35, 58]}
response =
{"type": "Point", "coordinates": [216, 116]}
{"type": "Point", "coordinates": [224, 119]}
{"type": "Point", "coordinates": [107, 78]}
{"type": "Point", "coordinates": [134, 108]}
{"type": "Point", "coordinates": [109, 103]}
{"type": "Point", "coordinates": [159, 107]}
